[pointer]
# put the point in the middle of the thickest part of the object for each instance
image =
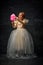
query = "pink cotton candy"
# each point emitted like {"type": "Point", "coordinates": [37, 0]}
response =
{"type": "Point", "coordinates": [12, 17]}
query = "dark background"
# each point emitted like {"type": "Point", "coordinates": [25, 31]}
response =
{"type": "Point", "coordinates": [34, 12]}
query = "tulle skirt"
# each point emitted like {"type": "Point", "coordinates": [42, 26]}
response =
{"type": "Point", "coordinates": [20, 42]}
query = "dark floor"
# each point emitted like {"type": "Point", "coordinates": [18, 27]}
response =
{"type": "Point", "coordinates": [21, 61]}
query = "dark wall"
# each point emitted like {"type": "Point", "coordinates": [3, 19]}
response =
{"type": "Point", "coordinates": [33, 11]}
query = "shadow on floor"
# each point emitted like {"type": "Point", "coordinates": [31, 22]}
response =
{"type": "Point", "coordinates": [21, 61]}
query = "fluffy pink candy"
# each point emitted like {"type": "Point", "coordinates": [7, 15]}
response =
{"type": "Point", "coordinates": [12, 17]}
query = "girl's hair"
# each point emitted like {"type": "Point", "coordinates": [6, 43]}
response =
{"type": "Point", "coordinates": [23, 14]}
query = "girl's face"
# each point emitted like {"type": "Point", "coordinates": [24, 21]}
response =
{"type": "Point", "coordinates": [20, 16]}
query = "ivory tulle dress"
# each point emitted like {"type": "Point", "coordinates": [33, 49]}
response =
{"type": "Point", "coordinates": [20, 42]}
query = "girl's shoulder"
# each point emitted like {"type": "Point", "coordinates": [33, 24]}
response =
{"type": "Point", "coordinates": [26, 20]}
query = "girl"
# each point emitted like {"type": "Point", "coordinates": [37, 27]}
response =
{"type": "Point", "coordinates": [20, 42]}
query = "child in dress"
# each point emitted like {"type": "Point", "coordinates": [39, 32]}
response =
{"type": "Point", "coordinates": [20, 42]}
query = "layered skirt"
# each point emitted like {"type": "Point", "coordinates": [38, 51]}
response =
{"type": "Point", "coordinates": [20, 42]}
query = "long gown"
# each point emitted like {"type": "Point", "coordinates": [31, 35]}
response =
{"type": "Point", "coordinates": [20, 42]}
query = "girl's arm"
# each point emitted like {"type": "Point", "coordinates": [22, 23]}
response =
{"type": "Point", "coordinates": [14, 24]}
{"type": "Point", "coordinates": [25, 21]}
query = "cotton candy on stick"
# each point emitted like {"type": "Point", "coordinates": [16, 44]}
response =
{"type": "Point", "coordinates": [12, 17]}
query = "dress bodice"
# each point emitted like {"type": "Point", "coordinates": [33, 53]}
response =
{"type": "Point", "coordinates": [21, 25]}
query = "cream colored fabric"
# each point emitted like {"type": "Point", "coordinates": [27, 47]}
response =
{"type": "Point", "coordinates": [20, 40]}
